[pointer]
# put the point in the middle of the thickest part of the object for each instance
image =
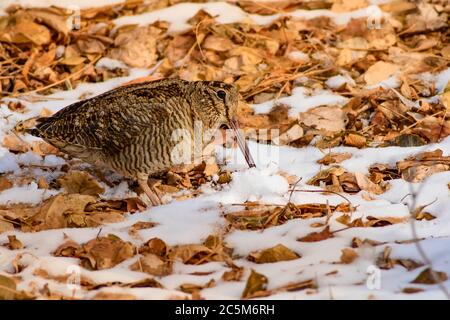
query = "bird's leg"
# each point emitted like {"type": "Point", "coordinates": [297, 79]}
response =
{"type": "Point", "coordinates": [150, 192]}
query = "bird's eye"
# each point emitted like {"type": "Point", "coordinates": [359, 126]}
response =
{"type": "Point", "coordinates": [221, 94]}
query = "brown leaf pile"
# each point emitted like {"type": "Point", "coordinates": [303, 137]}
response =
{"type": "Point", "coordinates": [258, 216]}
{"type": "Point", "coordinates": [336, 179]}
{"type": "Point", "coordinates": [65, 211]}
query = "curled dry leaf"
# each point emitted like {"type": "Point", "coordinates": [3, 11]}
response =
{"type": "Point", "coordinates": [80, 182]}
{"type": "Point", "coordinates": [136, 47]}
{"type": "Point", "coordinates": [328, 118]}
{"type": "Point", "coordinates": [274, 254]}
{"type": "Point", "coordinates": [105, 252]}
{"type": "Point", "coordinates": [364, 183]}
{"type": "Point", "coordinates": [152, 264]}
{"type": "Point", "coordinates": [235, 274]}
{"type": "Point", "coordinates": [42, 148]}
{"type": "Point", "coordinates": [317, 236]}
{"type": "Point", "coordinates": [7, 288]}
{"type": "Point", "coordinates": [380, 71]}
{"type": "Point", "coordinates": [334, 158]}
{"type": "Point", "coordinates": [105, 295]}
{"type": "Point", "coordinates": [293, 133]}
{"type": "Point", "coordinates": [355, 140]}
{"type": "Point", "coordinates": [68, 249]}
{"type": "Point", "coordinates": [259, 216]}
{"type": "Point", "coordinates": [14, 243]}
{"type": "Point", "coordinates": [418, 167]}
{"type": "Point", "coordinates": [348, 255]}
{"type": "Point", "coordinates": [195, 288]}
{"type": "Point", "coordinates": [155, 246]}
{"type": "Point", "coordinates": [256, 285]}
{"type": "Point", "coordinates": [5, 183]}
{"type": "Point", "coordinates": [15, 144]}
{"type": "Point", "coordinates": [430, 276]}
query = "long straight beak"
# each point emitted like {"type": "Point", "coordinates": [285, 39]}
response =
{"type": "Point", "coordinates": [242, 143]}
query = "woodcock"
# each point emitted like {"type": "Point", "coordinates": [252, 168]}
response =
{"type": "Point", "coordinates": [131, 129]}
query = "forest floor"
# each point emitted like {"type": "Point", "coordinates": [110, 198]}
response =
{"type": "Point", "coordinates": [346, 108]}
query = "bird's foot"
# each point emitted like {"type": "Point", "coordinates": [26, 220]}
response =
{"type": "Point", "coordinates": [151, 193]}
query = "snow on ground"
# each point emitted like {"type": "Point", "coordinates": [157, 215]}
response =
{"type": "Point", "coordinates": [223, 12]}
{"type": "Point", "coordinates": [191, 221]}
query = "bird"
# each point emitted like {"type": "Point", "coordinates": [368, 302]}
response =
{"type": "Point", "coordinates": [135, 129]}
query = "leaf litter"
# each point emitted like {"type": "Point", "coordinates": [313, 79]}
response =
{"type": "Point", "coordinates": [267, 61]}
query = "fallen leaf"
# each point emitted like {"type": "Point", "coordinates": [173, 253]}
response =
{"type": "Point", "coordinates": [329, 118]}
{"type": "Point", "coordinates": [14, 144]}
{"type": "Point", "coordinates": [104, 295]}
{"type": "Point", "coordinates": [68, 249]}
{"type": "Point", "coordinates": [105, 252]}
{"type": "Point", "coordinates": [14, 243]}
{"type": "Point", "coordinates": [256, 283]}
{"type": "Point", "coordinates": [274, 254]}
{"type": "Point", "coordinates": [5, 183]}
{"type": "Point", "coordinates": [348, 255]}
{"type": "Point", "coordinates": [429, 276]}
{"type": "Point", "coordinates": [364, 183]}
{"type": "Point", "coordinates": [355, 140]}
{"type": "Point", "coordinates": [136, 47]}
{"type": "Point", "coordinates": [152, 264]}
{"type": "Point", "coordinates": [333, 157]}
{"type": "Point", "coordinates": [155, 246]}
{"type": "Point", "coordinates": [379, 71]}
{"type": "Point", "coordinates": [235, 274]}
{"type": "Point", "coordinates": [7, 288]}
{"type": "Point", "coordinates": [409, 290]}
{"type": "Point", "coordinates": [80, 182]}
{"type": "Point", "coordinates": [292, 134]}
{"type": "Point", "coordinates": [317, 236]}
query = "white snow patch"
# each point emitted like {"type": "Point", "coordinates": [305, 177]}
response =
{"type": "Point", "coordinates": [301, 100]}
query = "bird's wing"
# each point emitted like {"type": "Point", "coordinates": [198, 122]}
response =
{"type": "Point", "coordinates": [111, 120]}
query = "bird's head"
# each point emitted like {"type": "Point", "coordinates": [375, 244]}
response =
{"type": "Point", "coordinates": [216, 104]}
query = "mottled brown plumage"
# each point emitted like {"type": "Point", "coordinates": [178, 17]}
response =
{"type": "Point", "coordinates": [133, 129]}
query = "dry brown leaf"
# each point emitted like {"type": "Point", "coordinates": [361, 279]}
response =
{"type": "Point", "coordinates": [274, 254]}
{"type": "Point", "coordinates": [15, 144]}
{"type": "Point", "coordinates": [348, 5]}
{"type": "Point", "coordinates": [418, 167]}
{"type": "Point", "coordinates": [235, 274]}
{"type": "Point", "coordinates": [7, 288]}
{"type": "Point", "coordinates": [217, 43]}
{"type": "Point", "coordinates": [355, 140]}
{"type": "Point", "coordinates": [136, 47]}
{"type": "Point", "coordinates": [334, 158]}
{"type": "Point", "coordinates": [317, 236]}
{"type": "Point", "coordinates": [5, 183]}
{"type": "Point", "coordinates": [5, 226]}
{"type": "Point", "coordinates": [80, 182]}
{"type": "Point", "coordinates": [68, 249]}
{"type": "Point", "coordinates": [13, 243]}
{"type": "Point", "coordinates": [364, 183]}
{"type": "Point", "coordinates": [155, 246]}
{"type": "Point", "coordinates": [380, 71]}
{"type": "Point", "coordinates": [409, 290]}
{"type": "Point", "coordinates": [348, 255]}
{"type": "Point", "coordinates": [256, 284]}
{"type": "Point", "coordinates": [329, 118]}
{"type": "Point", "coordinates": [105, 252]}
{"type": "Point", "coordinates": [56, 212]}
{"type": "Point", "coordinates": [104, 295]}
{"type": "Point", "coordinates": [293, 133]}
{"type": "Point", "coordinates": [152, 264]}
{"type": "Point", "coordinates": [43, 148]}
{"type": "Point", "coordinates": [429, 276]}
